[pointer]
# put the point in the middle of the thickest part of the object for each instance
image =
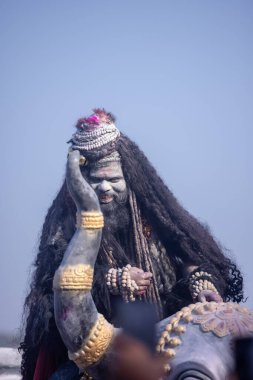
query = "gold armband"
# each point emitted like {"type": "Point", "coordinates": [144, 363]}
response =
{"type": "Point", "coordinates": [95, 345]}
{"type": "Point", "coordinates": [90, 220]}
{"type": "Point", "coordinates": [74, 277]}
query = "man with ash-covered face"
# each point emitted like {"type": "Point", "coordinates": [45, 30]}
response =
{"type": "Point", "coordinates": [107, 179]}
{"type": "Point", "coordinates": [152, 249]}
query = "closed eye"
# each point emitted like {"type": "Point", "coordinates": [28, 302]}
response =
{"type": "Point", "coordinates": [114, 180]}
{"type": "Point", "coordinates": [94, 180]}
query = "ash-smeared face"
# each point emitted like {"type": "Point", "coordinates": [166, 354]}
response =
{"type": "Point", "coordinates": [109, 184]}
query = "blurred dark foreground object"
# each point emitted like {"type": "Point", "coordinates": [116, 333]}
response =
{"type": "Point", "coordinates": [135, 361]}
{"type": "Point", "coordinates": [244, 358]}
{"type": "Point", "coordinates": [135, 347]}
{"type": "Point", "coordinates": [138, 320]}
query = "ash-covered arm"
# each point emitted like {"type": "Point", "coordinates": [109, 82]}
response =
{"type": "Point", "coordinates": [76, 315]}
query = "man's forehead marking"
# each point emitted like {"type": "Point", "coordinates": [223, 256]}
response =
{"type": "Point", "coordinates": [114, 168]}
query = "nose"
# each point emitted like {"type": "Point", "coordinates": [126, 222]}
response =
{"type": "Point", "coordinates": [104, 186]}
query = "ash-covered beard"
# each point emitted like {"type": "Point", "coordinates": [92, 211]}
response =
{"type": "Point", "coordinates": [116, 213]}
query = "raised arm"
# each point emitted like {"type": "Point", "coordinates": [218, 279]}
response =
{"type": "Point", "coordinates": [77, 319]}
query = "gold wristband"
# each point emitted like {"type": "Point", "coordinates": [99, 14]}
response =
{"type": "Point", "coordinates": [90, 220]}
{"type": "Point", "coordinates": [74, 277]}
{"type": "Point", "coordinates": [95, 345]}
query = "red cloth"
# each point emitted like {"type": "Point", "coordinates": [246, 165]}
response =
{"type": "Point", "coordinates": [45, 366]}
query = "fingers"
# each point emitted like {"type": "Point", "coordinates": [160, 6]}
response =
{"type": "Point", "coordinates": [209, 296]}
{"type": "Point", "coordinates": [136, 270]}
{"type": "Point", "coordinates": [81, 192]}
{"type": "Point", "coordinates": [202, 298]}
{"type": "Point", "coordinates": [140, 271]}
{"type": "Point", "coordinates": [147, 275]}
{"type": "Point", "coordinates": [141, 292]}
{"type": "Point", "coordinates": [140, 277]}
{"type": "Point", "coordinates": [217, 298]}
{"type": "Point", "coordinates": [142, 288]}
{"type": "Point", "coordinates": [143, 282]}
{"type": "Point", "coordinates": [145, 279]}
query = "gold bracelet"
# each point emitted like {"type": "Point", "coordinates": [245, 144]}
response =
{"type": "Point", "coordinates": [95, 345]}
{"type": "Point", "coordinates": [90, 220]}
{"type": "Point", "coordinates": [74, 277]}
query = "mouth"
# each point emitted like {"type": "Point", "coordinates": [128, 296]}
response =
{"type": "Point", "coordinates": [105, 198]}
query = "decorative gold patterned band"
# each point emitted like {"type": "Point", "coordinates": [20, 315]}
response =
{"type": "Point", "coordinates": [74, 277]}
{"type": "Point", "coordinates": [95, 345]}
{"type": "Point", "coordinates": [90, 220]}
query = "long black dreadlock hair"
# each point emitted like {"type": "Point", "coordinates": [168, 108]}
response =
{"type": "Point", "coordinates": [186, 240]}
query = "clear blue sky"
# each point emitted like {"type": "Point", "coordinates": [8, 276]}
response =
{"type": "Point", "coordinates": [178, 76]}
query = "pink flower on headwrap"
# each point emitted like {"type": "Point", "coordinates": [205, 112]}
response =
{"type": "Point", "coordinates": [99, 117]}
{"type": "Point", "coordinates": [93, 119]}
{"type": "Point", "coordinates": [90, 121]}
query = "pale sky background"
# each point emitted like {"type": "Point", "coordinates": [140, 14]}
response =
{"type": "Point", "coordinates": [178, 76]}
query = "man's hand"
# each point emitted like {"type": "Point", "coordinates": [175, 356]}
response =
{"type": "Point", "coordinates": [141, 278]}
{"type": "Point", "coordinates": [82, 193]}
{"type": "Point", "coordinates": [208, 296]}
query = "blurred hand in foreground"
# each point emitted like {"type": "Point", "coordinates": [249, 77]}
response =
{"type": "Point", "coordinates": [135, 361]}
